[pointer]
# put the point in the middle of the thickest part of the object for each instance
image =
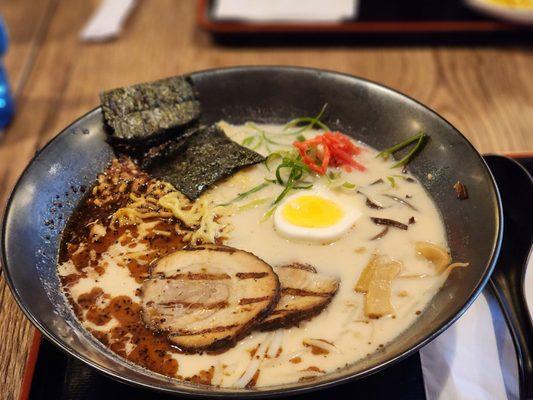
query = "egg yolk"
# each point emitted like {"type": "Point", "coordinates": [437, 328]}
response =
{"type": "Point", "coordinates": [312, 212]}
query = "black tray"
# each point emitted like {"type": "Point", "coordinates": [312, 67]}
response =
{"type": "Point", "coordinates": [420, 21]}
{"type": "Point", "coordinates": [51, 374]}
{"type": "Point", "coordinates": [58, 376]}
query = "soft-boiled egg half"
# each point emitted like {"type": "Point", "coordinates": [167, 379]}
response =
{"type": "Point", "coordinates": [314, 215]}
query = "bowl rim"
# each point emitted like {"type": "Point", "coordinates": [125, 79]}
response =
{"type": "Point", "coordinates": [262, 392]}
{"type": "Point", "coordinates": [517, 15]}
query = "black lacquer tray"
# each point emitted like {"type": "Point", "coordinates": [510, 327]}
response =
{"type": "Point", "coordinates": [51, 374]}
{"type": "Point", "coordinates": [57, 376]}
{"type": "Point", "coordinates": [407, 19]}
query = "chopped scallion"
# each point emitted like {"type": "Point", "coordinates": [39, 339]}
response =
{"type": "Point", "coordinates": [261, 138]}
{"type": "Point", "coordinates": [348, 185]}
{"type": "Point", "coordinates": [243, 195]}
{"type": "Point", "coordinates": [418, 139]}
{"type": "Point", "coordinates": [309, 122]}
{"type": "Point", "coordinates": [253, 203]}
{"type": "Point", "coordinates": [296, 171]}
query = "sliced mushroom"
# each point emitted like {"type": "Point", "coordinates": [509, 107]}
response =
{"type": "Point", "coordinates": [375, 281]}
{"type": "Point", "coordinates": [438, 255]}
{"type": "Point", "coordinates": [304, 294]}
{"type": "Point", "coordinates": [207, 297]}
{"type": "Point", "coordinates": [389, 222]}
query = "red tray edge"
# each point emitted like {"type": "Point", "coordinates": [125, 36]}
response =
{"type": "Point", "coordinates": [31, 362]}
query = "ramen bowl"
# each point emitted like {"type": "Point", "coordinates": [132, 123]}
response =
{"type": "Point", "coordinates": [368, 111]}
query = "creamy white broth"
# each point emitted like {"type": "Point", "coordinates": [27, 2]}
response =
{"type": "Point", "coordinates": [342, 323]}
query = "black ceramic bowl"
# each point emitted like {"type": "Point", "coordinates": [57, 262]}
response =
{"type": "Point", "coordinates": [369, 112]}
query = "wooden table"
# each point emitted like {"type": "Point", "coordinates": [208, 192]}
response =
{"type": "Point", "coordinates": [486, 92]}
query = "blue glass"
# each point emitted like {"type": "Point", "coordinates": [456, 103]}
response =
{"type": "Point", "coordinates": [7, 108]}
{"type": "Point", "coordinates": [3, 37]}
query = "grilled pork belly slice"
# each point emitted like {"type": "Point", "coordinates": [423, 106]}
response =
{"type": "Point", "coordinates": [304, 294]}
{"type": "Point", "coordinates": [208, 297]}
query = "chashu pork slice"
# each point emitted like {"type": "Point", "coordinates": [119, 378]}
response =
{"type": "Point", "coordinates": [208, 297]}
{"type": "Point", "coordinates": [304, 294]}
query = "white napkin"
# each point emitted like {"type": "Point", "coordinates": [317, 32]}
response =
{"type": "Point", "coordinates": [475, 358]}
{"type": "Point", "coordinates": [286, 10]}
{"type": "Point", "coordinates": [106, 23]}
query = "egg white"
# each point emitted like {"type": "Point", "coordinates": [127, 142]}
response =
{"type": "Point", "coordinates": [321, 235]}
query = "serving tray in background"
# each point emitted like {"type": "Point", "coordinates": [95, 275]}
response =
{"type": "Point", "coordinates": [374, 17]}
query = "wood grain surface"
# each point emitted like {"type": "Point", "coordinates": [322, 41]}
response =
{"type": "Point", "coordinates": [486, 92]}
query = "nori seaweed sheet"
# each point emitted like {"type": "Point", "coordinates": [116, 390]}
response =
{"type": "Point", "coordinates": [197, 160]}
{"type": "Point", "coordinates": [150, 112]}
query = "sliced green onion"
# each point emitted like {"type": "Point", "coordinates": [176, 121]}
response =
{"type": "Point", "coordinates": [334, 181]}
{"type": "Point", "coordinates": [248, 142]}
{"type": "Point", "coordinates": [255, 128]}
{"type": "Point", "coordinates": [303, 185]}
{"type": "Point", "coordinates": [333, 176]}
{"type": "Point", "coordinates": [404, 177]}
{"type": "Point", "coordinates": [297, 170]}
{"type": "Point", "coordinates": [322, 125]}
{"type": "Point", "coordinates": [348, 185]}
{"type": "Point", "coordinates": [283, 193]}
{"type": "Point", "coordinates": [253, 203]}
{"type": "Point", "coordinates": [311, 122]}
{"type": "Point", "coordinates": [243, 195]}
{"type": "Point", "coordinates": [392, 181]}
{"type": "Point", "coordinates": [270, 157]}
{"type": "Point", "coordinates": [418, 138]}
{"type": "Point", "coordinates": [405, 160]}
{"type": "Point", "coordinates": [308, 121]}
{"type": "Point", "coordinates": [268, 214]}
{"type": "Point", "coordinates": [294, 122]}
{"type": "Point", "coordinates": [279, 179]}
{"type": "Point", "coordinates": [296, 173]}
{"type": "Point", "coordinates": [283, 154]}
{"type": "Point", "coordinates": [400, 145]}
{"type": "Point", "coordinates": [294, 180]}
{"type": "Point", "coordinates": [268, 140]}
{"type": "Point", "coordinates": [264, 134]}
{"type": "Point", "coordinates": [262, 138]}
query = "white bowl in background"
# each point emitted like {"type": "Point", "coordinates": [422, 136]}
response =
{"type": "Point", "coordinates": [520, 15]}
